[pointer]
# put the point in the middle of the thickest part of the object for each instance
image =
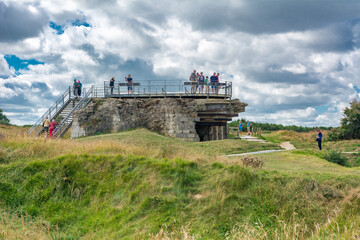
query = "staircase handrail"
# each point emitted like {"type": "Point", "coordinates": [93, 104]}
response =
{"type": "Point", "coordinates": [82, 103]}
{"type": "Point", "coordinates": [55, 105]}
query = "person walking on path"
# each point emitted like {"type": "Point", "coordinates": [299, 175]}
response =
{"type": "Point", "coordinates": [129, 80]}
{"type": "Point", "coordinates": [240, 128]}
{"type": "Point", "coordinates": [248, 126]}
{"type": "Point", "coordinates": [46, 124]}
{"type": "Point", "coordinates": [80, 88]}
{"type": "Point", "coordinates": [52, 128]}
{"type": "Point", "coordinates": [75, 88]}
{"type": "Point", "coordinates": [112, 83]}
{"type": "Point", "coordinates": [319, 138]}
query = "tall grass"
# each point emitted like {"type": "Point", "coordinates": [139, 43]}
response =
{"type": "Point", "coordinates": [14, 227]}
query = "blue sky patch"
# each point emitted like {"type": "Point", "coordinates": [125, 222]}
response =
{"type": "Point", "coordinates": [19, 64]}
{"type": "Point", "coordinates": [357, 89]}
{"type": "Point", "coordinates": [79, 23]}
{"type": "Point", "coordinates": [59, 28]}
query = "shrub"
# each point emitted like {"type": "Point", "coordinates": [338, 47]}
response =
{"type": "Point", "coordinates": [252, 162]}
{"type": "Point", "coordinates": [336, 157]}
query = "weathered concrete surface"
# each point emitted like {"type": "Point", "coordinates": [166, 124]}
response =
{"type": "Point", "coordinates": [191, 119]}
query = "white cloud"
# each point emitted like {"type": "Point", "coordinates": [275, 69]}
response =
{"type": "Point", "coordinates": [284, 76]}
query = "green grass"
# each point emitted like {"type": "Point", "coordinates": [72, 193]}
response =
{"type": "Point", "coordinates": [144, 137]}
{"type": "Point", "coordinates": [132, 185]}
{"type": "Point", "coordinates": [129, 197]}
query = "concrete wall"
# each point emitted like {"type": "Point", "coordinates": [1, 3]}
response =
{"type": "Point", "coordinates": [172, 117]}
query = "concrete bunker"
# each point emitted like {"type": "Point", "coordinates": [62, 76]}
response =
{"type": "Point", "coordinates": [187, 118]}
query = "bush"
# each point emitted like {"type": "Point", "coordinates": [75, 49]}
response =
{"type": "Point", "coordinates": [336, 157]}
{"type": "Point", "coordinates": [252, 162]}
{"type": "Point", "coordinates": [3, 118]}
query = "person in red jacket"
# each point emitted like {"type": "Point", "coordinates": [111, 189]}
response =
{"type": "Point", "coordinates": [52, 128]}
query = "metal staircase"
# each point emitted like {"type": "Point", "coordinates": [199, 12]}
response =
{"type": "Point", "coordinates": [66, 123]}
{"type": "Point", "coordinates": [63, 108]}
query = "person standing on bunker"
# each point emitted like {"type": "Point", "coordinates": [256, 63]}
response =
{"type": "Point", "coordinates": [129, 80]}
{"type": "Point", "coordinates": [112, 83]}
{"type": "Point", "coordinates": [192, 79]}
{"type": "Point", "coordinates": [201, 82]}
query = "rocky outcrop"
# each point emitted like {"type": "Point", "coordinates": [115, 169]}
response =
{"type": "Point", "coordinates": [191, 119]}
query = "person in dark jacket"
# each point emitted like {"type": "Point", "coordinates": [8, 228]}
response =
{"type": "Point", "coordinates": [112, 83]}
{"type": "Point", "coordinates": [79, 88]}
{"type": "Point", "coordinates": [319, 138]}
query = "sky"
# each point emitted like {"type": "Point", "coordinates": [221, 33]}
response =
{"type": "Point", "coordinates": [295, 62]}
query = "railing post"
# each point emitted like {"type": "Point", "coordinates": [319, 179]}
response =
{"type": "Point", "coordinates": [226, 90]}
{"type": "Point", "coordinates": [104, 89]}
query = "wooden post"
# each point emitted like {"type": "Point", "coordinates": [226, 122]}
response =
{"type": "Point", "coordinates": [260, 133]}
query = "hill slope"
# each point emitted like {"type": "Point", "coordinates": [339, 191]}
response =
{"type": "Point", "coordinates": [110, 193]}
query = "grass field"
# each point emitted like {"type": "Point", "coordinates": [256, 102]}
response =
{"type": "Point", "coordinates": [141, 185]}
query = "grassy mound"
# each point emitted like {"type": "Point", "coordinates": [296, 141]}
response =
{"type": "Point", "coordinates": [137, 185]}
{"type": "Point", "coordinates": [119, 197]}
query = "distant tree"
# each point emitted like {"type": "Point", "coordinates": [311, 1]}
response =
{"type": "Point", "coordinates": [276, 127]}
{"type": "Point", "coordinates": [3, 118]}
{"type": "Point", "coordinates": [350, 123]}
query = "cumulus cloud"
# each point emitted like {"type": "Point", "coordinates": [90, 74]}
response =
{"type": "Point", "coordinates": [19, 22]}
{"type": "Point", "coordinates": [287, 59]}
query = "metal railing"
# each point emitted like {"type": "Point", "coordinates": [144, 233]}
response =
{"type": "Point", "coordinates": [66, 123]}
{"type": "Point", "coordinates": [53, 110]}
{"type": "Point", "coordinates": [141, 88]}
{"type": "Point", "coordinates": [164, 88]}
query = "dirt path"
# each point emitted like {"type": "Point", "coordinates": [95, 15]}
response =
{"type": "Point", "coordinates": [287, 146]}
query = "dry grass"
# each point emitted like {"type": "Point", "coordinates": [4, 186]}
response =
{"type": "Point", "coordinates": [15, 145]}
{"type": "Point", "coordinates": [13, 227]}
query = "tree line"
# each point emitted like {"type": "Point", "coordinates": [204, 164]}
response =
{"type": "Point", "coordinates": [276, 127]}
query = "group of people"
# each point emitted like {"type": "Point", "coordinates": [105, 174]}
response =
{"type": "Point", "coordinates": [199, 81]}
{"type": "Point", "coordinates": [248, 127]}
{"type": "Point", "coordinates": [77, 86]}
{"type": "Point", "coordinates": [48, 126]}
{"type": "Point", "coordinates": [128, 80]}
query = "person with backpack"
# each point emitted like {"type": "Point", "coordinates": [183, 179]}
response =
{"type": "Point", "coordinates": [45, 125]}
{"type": "Point", "coordinates": [79, 88]}
{"type": "Point", "coordinates": [248, 127]}
{"type": "Point", "coordinates": [112, 83]}
{"type": "Point", "coordinates": [75, 88]}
